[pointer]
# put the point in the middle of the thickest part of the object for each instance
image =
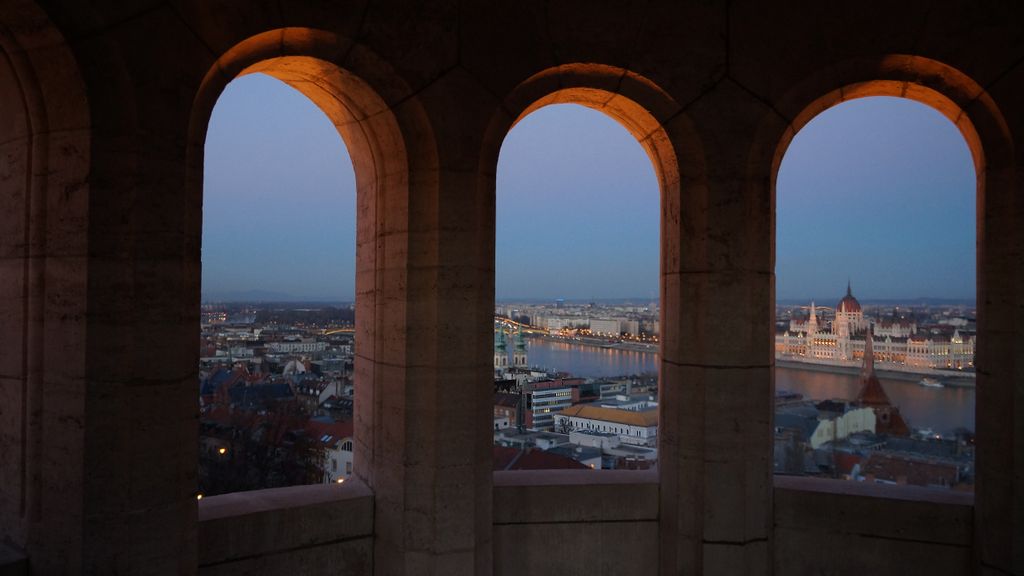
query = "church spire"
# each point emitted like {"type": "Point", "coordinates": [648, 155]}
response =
{"type": "Point", "coordinates": [519, 354]}
{"type": "Point", "coordinates": [889, 420]}
{"type": "Point", "coordinates": [849, 292]}
{"type": "Point", "coordinates": [500, 351]}
{"type": "Point", "coordinates": [499, 338]}
{"type": "Point", "coordinates": [868, 370]}
{"type": "Point", "coordinates": [871, 391]}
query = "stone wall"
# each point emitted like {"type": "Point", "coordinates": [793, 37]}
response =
{"type": "Point", "coordinates": [555, 522]}
{"type": "Point", "coordinates": [105, 108]}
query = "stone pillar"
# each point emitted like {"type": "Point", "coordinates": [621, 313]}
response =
{"type": "Point", "coordinates": [999, 490]}
{"type": "Point", "coordinates": [716, 371]}
{"type": "Point", "coordinates": [138, 471]}
{"type": "Point", "coordinates": [14, 224]}
{"type": "Point", "coordinates": [112, 429]}
{"type": "Point", "coordinates": [423, 387]}
{"type": "Point", "coordinates": [44, 190]}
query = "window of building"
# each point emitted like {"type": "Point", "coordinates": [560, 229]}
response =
{"type": "Point", "coordinates": [278, 288]}
{"type": "Point", "coordinates": [876, 314]}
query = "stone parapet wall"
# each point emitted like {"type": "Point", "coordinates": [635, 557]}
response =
{"type": "Point", "coordinates": [288, 531]}
{"type": "Point", "coordinates": [105, 111]}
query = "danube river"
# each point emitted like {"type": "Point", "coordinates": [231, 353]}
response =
{"type": "Point", "coordinates": [941, 409]}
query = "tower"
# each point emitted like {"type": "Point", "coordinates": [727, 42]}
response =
{"type": "Point", "coordinates": [849, 320]}
{"type": "Point", "coordinates": [887, 417]}
{"type": "Point", "coordinates": [849, 315]}
{"type": "Point", "coordinates": [500, 349]}
{"type": "Point", "coordinates": [519, 352]}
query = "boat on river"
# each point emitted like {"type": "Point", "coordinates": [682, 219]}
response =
{"type": "Point", "coordinates": [928, 382]}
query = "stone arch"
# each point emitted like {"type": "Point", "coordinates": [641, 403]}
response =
{"type": "Point", "coordinates": [953, 94]}
{"type": "Point", "coordinates": [644, 109]}
{"type": "Point", "coordinates": [667, 134]}
{"type": "Point", "coordinates": [652, 117]}
{"type": "Point", "coordinates": [999, 239]}
{"type": "Point", "coordinates": [377, 134]}
{"type": "Point", "coordinates": [45, 120]}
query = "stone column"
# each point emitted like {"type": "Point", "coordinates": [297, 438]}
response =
{"type": "Point", "coordinates": [424, 433]}
{"type": "Point", "coordinates": [44, 192]}
{"type": "Point", "coordinates": [716, 371]}
{"type": "Point", "coordinates": [999, 490]}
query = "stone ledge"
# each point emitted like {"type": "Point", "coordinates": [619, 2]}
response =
{"type": "Point", "coordinates": [346, 557]}
{"type": "Point", "coordinates": [574, 496]}
{"type": "Point", "coordinates": [900, 513]}
{"type": "Point", "coordinates": [12, 562]}
{"type": "Point", "coordinates": [627, 548]}
{"type": "Point", "coordinates": [247, 525]}
{"type": "Point", "coordinates": [873, 490]}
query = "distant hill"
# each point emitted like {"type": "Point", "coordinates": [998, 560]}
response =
{"type": "Point", "coordinates": [826, 301]}
{"type": "Point", "coordinates": [579, 301]}
{"type": "Point", "coordinates": [256, 296]}
{"type": "Point", "coordinates": [922, 301]}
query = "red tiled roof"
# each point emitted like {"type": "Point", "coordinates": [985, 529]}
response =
{"type": "Point", "coordinates": [557, 383]}
{"type": "Point", "coordinates": [915, 471]}
{"type": "Point", "coordinates": [335, 431]}
{"type": "Point", "coordinates": [845, 462]}
{"type": "Point", "coordinates": [871, 391]}
{"type": "Point", "coordinates": [872, 394]}
{"type": "Point", "coordinates": [645, 418]}
{"type": "Point", "coordinates": [888, 418]}
{"type": "Point", "coordinates": [276, 424]}
{"type": "Point", "coordinates": [506, 399]}
{"type": "Point", "coordinates": [504, 457]}
{"type": "Point", "coordinates": [848, 303]}
{"type": "Point", "coordinates": [515, 459]}
{"type": "Point", "coordinates": [897, 425]}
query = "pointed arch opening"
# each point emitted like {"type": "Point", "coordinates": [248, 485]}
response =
{"type": "Point", "coordinates": [304, 60]}
{"type": "Point", "coordinates": [545, 403]}
{"type": "Point", "coordinates": [908, 239]}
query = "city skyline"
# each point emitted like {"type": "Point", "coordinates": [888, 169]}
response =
{"type": "Point", "coordinates": [898, 218]}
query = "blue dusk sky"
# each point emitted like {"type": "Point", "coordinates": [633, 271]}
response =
{"type": "Point", "coordinates": [278, 198]}
{"type": "Point", "coordinates": [878, 190]}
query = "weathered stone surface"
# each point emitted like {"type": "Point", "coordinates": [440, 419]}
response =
{"type": "Point", "coordinates": [353, 556]}
{"type": "Point", "coordinates": [548, 496]}
{"type": "Point", "coordinates": [246, 525]}
{"type": "Point", "coordinates": [893, 512]}
{"type": "Point", "coordinates": [103, 113]}
{"type": "Point", "coordinates": [629, 547]}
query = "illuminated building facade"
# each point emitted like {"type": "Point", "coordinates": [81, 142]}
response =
{"type": "Point", "coordinates": [895, 341]}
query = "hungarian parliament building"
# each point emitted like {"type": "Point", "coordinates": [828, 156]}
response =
{"type": "Point", "coordinates": [895, 340]}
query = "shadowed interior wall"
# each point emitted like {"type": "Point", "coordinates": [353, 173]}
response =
{"type": "Point", "coordinates": [44, 163]}
{"type": "Point", "coordinates": [104, 113]}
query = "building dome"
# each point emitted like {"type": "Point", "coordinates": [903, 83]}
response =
{"type": "Point", "coordinates": [848, 304]}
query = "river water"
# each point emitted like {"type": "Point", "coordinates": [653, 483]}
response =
{"type": "Point", "coordinates": [941, 409]}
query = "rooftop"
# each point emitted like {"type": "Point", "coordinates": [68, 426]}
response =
{"type": "Point", "coordinates": [646, 418]}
